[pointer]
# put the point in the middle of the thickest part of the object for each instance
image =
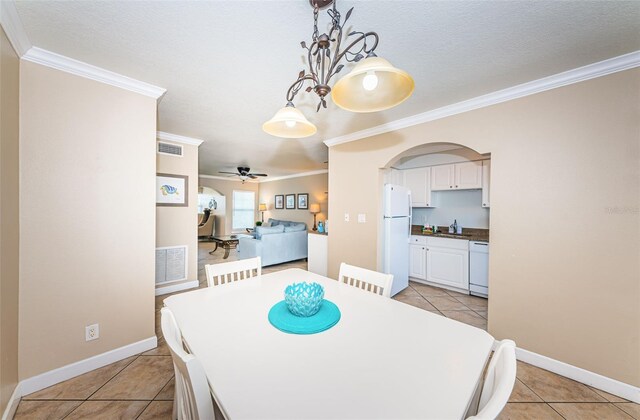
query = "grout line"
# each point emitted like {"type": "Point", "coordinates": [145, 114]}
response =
{"type": "Point", "coordinates": [144, 409]}
{"type": "Point", "coordinates": [110, 379]}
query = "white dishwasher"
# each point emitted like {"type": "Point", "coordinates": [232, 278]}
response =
{"type": "Point", "coordinates": [479, 268]}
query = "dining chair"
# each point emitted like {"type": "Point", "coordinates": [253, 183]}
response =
{"type": "Point", "coordinates": [371, 281]}
{"type": "Point", "coordinates": [499, 382]}
{"type": "Point", "coordinates": [192, 398]}
{"type": "Point", "coordinates": [228, 272]}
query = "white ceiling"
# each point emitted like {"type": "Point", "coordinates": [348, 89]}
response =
{"type": "Point", "coordinates": [227, 64]}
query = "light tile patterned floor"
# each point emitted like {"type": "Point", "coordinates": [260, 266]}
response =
{"type": "Point", "coordinates": [141, 387]}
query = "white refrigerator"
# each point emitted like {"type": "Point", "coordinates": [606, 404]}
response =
{"type": "Point", "coordinates": [397, 235]}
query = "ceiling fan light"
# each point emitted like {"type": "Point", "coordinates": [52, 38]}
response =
{"type": "Point", "coordinates": [373, 85]}
{"type": "Point", "coordinates": [289, 123]}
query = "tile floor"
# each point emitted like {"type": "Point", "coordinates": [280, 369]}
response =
{"type": "Point", "coordinates": [141, 386]}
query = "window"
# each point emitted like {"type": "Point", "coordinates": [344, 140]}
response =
{"type": "Point", "coordinates": [244, 207]}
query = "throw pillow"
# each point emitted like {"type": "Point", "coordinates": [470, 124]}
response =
{"type": "Point", "coordinates": [295, 227]}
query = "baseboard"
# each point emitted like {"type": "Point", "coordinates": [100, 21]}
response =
{"type": "Point", "coordinates": [44, 380]}
{"type": "Point", "coordinates": [12, 405]}
{"type": "Point", "coordinates": [177, 287]}
{"type": "Point", "coordinates": [612, 386]}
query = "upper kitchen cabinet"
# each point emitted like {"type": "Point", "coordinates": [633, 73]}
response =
{"type": "Point", "coordinates": [442, 177]}
{"type": "Point", "coordinates": [396, 177]}
{"type": "Point", "coordinates": [459, 176]}
{"type": "Point", "coordinates": [486, 180]}
{"type": "Point", "coordinates": [418, 181]}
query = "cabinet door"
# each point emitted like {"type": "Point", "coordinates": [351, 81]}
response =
{"type": "Point", "coordinates": [448, 266]}
{"type": "Point", "coordinates": [468, 176]}
{"type": "Point", "coordinates": [442, 177]}
{"type": "Point", "coordinates": [396, 177]}
{"type": "Point", "coordinates": [486, 183]}
{"type": "Point", "coordinates": [416, 181]}
{"type": "Point", "coordinates": [417, 261]}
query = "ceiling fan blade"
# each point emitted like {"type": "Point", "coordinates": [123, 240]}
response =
{"type": "Point", "coordinates": [252, 176]}
{"type": "Point", "coordinates": [258, 175]}
{"type": "Point", "coordinates": [232, 173]}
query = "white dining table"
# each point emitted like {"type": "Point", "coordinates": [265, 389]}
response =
{"type": "Point", "coordinates": [383, 360]}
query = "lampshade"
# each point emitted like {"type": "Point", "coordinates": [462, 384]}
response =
{"type": "Point", "coordinates": [314, 208]}
{"type": "Point", "coordinates": [262, 207]}
{"type": "Point", "coordinates": [289, 123]}
{"type": "Point", "coordinates": [373, 85]}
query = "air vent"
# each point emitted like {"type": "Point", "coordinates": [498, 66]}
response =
{"type": "Point", "coordinates": [171, 264]}
{"type": "Point", "coordinates": [169, 149]}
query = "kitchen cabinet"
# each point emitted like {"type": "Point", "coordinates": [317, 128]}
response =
{"type": "Point", "coordinates": [442, 177]}
{"type": "Point", "coordinates": [418, 181]}
{"type": "Point", "coordinates": [418, 257]}
{"type": "Point", "coordinates": [486, 183]}
{"type": "Point", "coordinates": [459, 176]}
{"type": "Point", "coordinates": [396, 177]}
{"type": "Point", "coordinates": [448, 262]}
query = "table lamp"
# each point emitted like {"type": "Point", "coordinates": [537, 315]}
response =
{"type": "Point", "coordinates": [314, 209]}
{"type": "Point", "coordinates": [262, 208]}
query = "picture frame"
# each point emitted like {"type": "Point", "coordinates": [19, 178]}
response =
{"type": "Point", "coordinates": [303, 201]}
{"type": "Point", "coordinates": [290, 201]}
{"type": "Point", "coordinates": [279, 202]}
{"type": "Point", "coordinates": [172, 190]}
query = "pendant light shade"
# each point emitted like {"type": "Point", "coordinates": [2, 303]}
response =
{"type": "Point", "coordinates": [289, 123]}
{"type": "Point", "coordinates": [373, 85]}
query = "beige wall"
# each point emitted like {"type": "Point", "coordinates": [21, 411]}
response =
{"type": "Point", "coordinates": [314, 185]}
{"type": "Point", "coordinates": [226, 188]}
{"type": "Point", "coordinates": [565, 219]}
{"type": "Point", "coordinates": [87, 177]}
{"type": "Point", "coordinates": [9, 219]}
{"type": "Point", "coordinates": [178, 225]}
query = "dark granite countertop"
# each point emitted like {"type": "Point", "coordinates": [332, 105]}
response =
{"type": "Point", "coordinates": [469, 234]}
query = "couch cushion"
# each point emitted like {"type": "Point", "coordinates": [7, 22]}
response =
{"type": "Point", "coordinates": [295, 227]}
{"type": "Point", "coordinates": [263, 230]}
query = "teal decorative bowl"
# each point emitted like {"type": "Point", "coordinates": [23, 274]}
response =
{"type": "Point", "coordinates": [304, 299]}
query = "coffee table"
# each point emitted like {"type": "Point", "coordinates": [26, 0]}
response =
{"type": "Point", "coordinates": [227, 243]}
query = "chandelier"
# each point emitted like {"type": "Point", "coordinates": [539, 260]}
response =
{"type": "Point", "coordinates": [373, 84]}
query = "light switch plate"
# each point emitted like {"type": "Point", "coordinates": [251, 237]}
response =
{"type": "Point", "coordinates": [362, 218]}
{"type": "Point", "coordinates": [346, 217]}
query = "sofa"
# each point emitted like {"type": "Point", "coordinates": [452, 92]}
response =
{"type": "Point", "coordinates": [276, 242]}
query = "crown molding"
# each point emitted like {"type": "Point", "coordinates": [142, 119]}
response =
{"type": "Point", "coordinates": [175, 138]}
{"type": "Point", "coordinates": [12, 26]}
{"type": "Point", "coordinates": [591, 71]}
{"type": "Point", "coordinates": [224, 178]}
{"type": "Point", "coordinates": [301, 174]}
{"type": "Point", "coordinates": [79, 68]}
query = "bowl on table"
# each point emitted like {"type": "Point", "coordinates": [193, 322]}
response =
{"type": "Point", "coordinates": [304, 299]}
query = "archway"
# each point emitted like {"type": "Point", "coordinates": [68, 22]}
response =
{"type": "Point", "coordinates": [450, 185]}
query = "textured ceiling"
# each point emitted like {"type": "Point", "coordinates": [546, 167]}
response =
{"type": "Point", "coordinates": [227, 64]}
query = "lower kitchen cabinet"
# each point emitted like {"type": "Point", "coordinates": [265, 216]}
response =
{"type": "Point", "coordinates": [418, 261]}
{"type": "Point", "coordinates": [448, 262]}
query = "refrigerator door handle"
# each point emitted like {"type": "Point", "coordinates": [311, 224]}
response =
{"type": "Point", "coordinates": [410, 216]}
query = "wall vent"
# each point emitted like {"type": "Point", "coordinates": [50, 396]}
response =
{"type": "Point", "coordinates": [171, 264]}
{"type": "Point", "coordinates": [169, 149]}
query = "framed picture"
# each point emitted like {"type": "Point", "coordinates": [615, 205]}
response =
{"type": "Point", "coordinates": [279, 202]}
{"type": "Point", "coordinates": [303, 201]}
{"type": "Point", "coordinates": [290, 201]}
{"type": "Point", "coordinates": [172, 190]}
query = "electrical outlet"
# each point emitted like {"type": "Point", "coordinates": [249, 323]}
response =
{"type": "Point", "coordinates": [346, 217]}
{"type": "Point", "coordinates": [92, 332]}
{"type": "Point", "coordinates": [362, 218]}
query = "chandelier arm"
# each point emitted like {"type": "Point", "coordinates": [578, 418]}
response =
{"type": "Point", "coordinates": [310, 53]}
{"type": "Point", "coordinates": [295, 86]}
{"type": "Point", "coordinates": [362, 37]}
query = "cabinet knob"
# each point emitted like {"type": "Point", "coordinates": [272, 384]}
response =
{"type": "Point", "coordinates": [450, 186]}
{"type": "Point", "coordinates": [456, 186]}
{"type": "Point", "coordinates": [427, 204]}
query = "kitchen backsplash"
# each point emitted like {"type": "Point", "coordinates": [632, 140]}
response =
{"type": "Point", "coordinates": [464, 206]}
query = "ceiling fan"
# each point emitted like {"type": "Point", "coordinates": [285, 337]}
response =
{"type": "Point", "coordinates": [244, 173]}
